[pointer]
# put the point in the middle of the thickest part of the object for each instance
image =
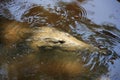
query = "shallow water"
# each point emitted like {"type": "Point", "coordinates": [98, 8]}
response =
{"type": "Point", "coordinates": [95, 22]}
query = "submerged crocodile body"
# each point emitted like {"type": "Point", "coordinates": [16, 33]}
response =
{"type": "Point", "coordinates": [53, 51]}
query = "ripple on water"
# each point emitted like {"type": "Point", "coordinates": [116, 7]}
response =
{"type": "Point", "coordinates": [62, 15]}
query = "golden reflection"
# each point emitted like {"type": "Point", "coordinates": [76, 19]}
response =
{"type": "Point", "coordinates": [14, 32]}
{"type": "Point", "coordinates": [73, 68]}
{"type": "Point", "coordinates": [31, 66]}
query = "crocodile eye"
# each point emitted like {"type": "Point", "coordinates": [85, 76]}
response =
{"type": "Point", "coordinates": [61, 41]}
{"type": "Point", "coordinates": [58, 42]}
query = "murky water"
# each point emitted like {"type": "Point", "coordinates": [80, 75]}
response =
{"type": "Point", "coordinates": [95, 22]}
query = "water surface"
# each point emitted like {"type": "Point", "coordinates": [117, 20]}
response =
{"type": "Point", "coordinates": [95, 22]}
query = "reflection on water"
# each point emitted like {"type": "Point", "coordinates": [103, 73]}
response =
{"type": "Point", "coordinates": [19, 62]}
{"type": "Point", "coordinates": [103, 11]}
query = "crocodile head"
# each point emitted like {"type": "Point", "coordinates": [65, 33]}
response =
{"type": "Point", "coordinates": [49, 37]}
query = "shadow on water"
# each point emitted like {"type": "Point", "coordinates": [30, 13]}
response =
{"type": "Point", "coordinates": [19, 62]}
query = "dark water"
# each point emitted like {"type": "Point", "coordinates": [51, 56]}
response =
{"type": "Point", "coordinates": [96, 22]}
